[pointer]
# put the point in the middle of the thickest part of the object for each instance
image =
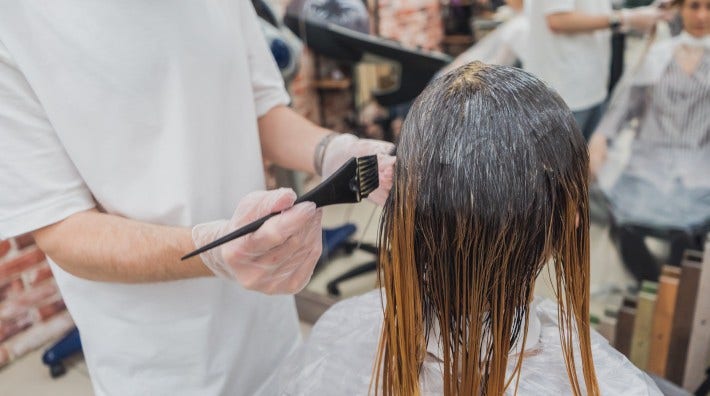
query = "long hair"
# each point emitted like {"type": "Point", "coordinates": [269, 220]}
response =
{"type": "Point", "coordinates": [491, 176]}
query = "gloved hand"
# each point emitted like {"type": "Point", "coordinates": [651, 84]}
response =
{"type": "Point", "coordinates": [279, 257]}
{"type": "Point", "coordinates": [345, 146]}
{"type": "Point", "coordinates": [642, 19]}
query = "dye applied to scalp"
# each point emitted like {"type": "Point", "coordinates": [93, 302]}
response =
{"type": "Point", "coordinates": [491, 174]}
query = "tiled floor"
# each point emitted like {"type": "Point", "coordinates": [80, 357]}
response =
{"type": "Point", "coordinates": [27, 376]}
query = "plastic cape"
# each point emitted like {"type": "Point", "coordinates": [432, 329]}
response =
{"type": "Point", "coordinates": [502, 46]}
{"type": "Point", "coordinates": [339, 355]}
{"type": "Point", "coordinates": [657, 171]}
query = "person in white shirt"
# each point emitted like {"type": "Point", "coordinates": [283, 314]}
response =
{"type": "Point", "coordinates": [123, 125]}
{"type": "Point", "coordinates": [569, 48]}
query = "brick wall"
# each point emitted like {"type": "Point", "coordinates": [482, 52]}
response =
{"type": "Point", "coordinates": [31, 309]}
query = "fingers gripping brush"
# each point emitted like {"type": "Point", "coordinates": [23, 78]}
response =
{"type": "Point", "coordinates": [352, 182]}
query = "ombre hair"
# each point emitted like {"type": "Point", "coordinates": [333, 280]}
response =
{"type": "Point", "coordinates": [490, 184]}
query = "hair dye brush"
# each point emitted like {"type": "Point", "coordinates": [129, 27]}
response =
{"type": "Point", "coordinates": [352, 182]}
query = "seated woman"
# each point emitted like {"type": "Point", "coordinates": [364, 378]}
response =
{"type": "Point", "coordinates": [663, 108]}
{"type": "Point", "coordinates": [490, 185]}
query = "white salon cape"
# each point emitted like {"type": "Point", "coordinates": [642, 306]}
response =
{"type": "Point", "coordinates": [148, 110]}
{"type": "Point", "coordinates": [339, 355]}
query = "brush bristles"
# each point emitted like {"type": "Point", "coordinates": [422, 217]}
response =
{"type": "Point", "coordinates": [368, 175]}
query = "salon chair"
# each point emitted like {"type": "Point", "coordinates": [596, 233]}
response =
{"type": "Point", "coordinates": [333, 285]}
{"type": "Point", "coordinates": [335, 239]}
{"type": "Point", "coordinates": [338, 239]}
{"type": "Point", "coordinates": [54, 356]}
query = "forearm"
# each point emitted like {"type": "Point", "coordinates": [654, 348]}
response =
{"type": "Point", "coordinates": [103, 247]}
{"type": "Point", "coordinates": [627, 103]}
{"type": "Point", "coordinates": [288, 139]}
{"type": "Point", "coordinates": [576, 22]}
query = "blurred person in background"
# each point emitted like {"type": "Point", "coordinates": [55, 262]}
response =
{"type": "Point", "coordinates": [569, 47]}
{"type": "Point", "coordinates": [663, 108]}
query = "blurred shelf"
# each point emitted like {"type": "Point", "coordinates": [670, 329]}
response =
{"type": "Point", "coordinates": [332, 84]}
{"type": "Point", "coordinates": [457, 39]}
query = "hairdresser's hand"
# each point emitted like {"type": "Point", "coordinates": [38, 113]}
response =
{"type": "Point", "coordinates": [597, 153]}
{"type": "Point", "coordinates": [345, 146]}
{"type": "Point", "coordinates": [642, 19]}
{"type": "Point", "coordinates": [279, 257]}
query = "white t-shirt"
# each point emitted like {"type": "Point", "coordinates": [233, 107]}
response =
{"type": "Point", "coordinates": [149, 109]}
{"type": "Point", "coordinates": [575, 65]}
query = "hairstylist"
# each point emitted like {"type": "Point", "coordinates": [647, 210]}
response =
{"type": "Point", "coordinates": [569, 48]}
{"type": "Point", "coordinates": [125, 123]}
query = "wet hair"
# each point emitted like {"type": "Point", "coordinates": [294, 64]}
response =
{"type": "Point", "coordinates": [491, 175]}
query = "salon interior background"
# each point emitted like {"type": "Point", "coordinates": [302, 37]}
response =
{"type": "Point", "coordinates": [642, 320]}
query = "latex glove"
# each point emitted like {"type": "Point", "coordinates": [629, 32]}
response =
{"type": "Point", "coordinates": [642, 19]}
{"type": "Point", "coordinates": [345, 146]}
{"type": "Point", "coordinates": [280, 256]}
{"type": "Point", "coordinates": [597, 153]}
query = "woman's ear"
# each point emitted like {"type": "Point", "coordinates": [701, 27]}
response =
{"type": "Point", "coordinates": [576, 221]}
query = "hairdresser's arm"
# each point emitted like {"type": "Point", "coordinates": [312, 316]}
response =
{"type": "Point", "coordinates": [103, 247]}
{"type": "Point", "coordinates": [288, 139]}
{"type": "Point", "coordinates": [279, 257]}
{"type": "Point", "coordinates": [639, 19]}
{"type": "Point", "coordinates": [576, 22]}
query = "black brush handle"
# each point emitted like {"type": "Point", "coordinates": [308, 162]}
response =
{"type": "Point", "coordinates": [256, 224]}
{"type": "Point", "coordinates": [340, 187]}
{"type": "Point", "coordinates": [249, 228]}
